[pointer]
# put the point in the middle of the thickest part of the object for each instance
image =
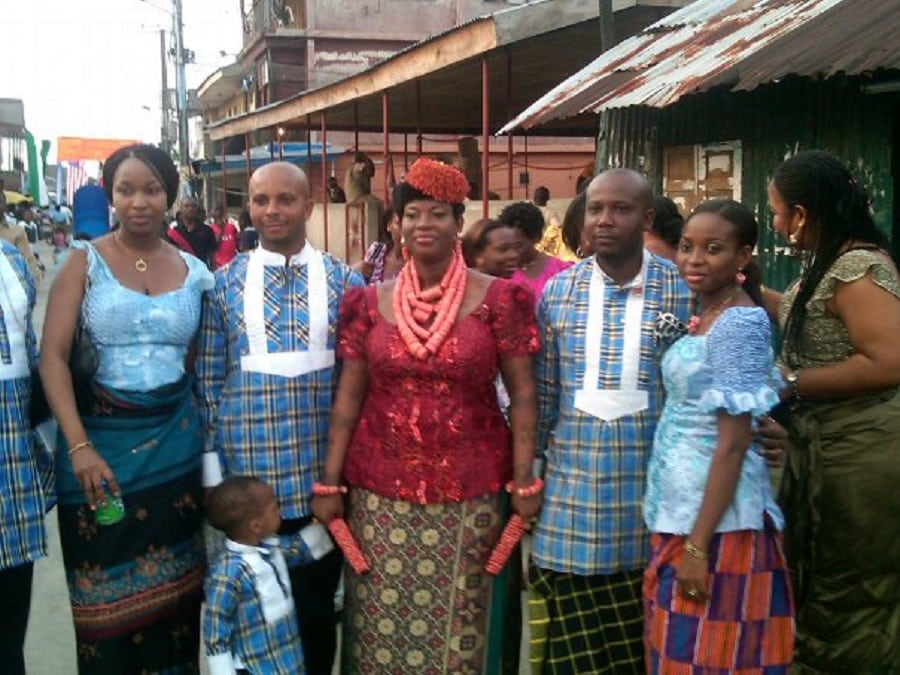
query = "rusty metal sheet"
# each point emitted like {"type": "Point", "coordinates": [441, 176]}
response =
{"type": "Point", "coordinates": [737, 43]}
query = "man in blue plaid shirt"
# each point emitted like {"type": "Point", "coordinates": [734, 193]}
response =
{"type": "Point", "coordinates": [266, 373]}
{"type": "Point", "coordinates": [23, 538]}
{"type": "Point", "coordinates": [600, 394]}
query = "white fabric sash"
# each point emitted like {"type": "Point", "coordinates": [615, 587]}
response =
{"type": "Point", "coordinates": [294, 363]}
{"type": "Point", "coordinates": [611, 404]}
{"type": "Point", "coordinates": [14, 301]}
{"type": "Point", "coordinates": [276, 604]}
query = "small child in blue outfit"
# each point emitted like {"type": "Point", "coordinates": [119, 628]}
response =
{"type": "Point", "coordinates": [249, 623]}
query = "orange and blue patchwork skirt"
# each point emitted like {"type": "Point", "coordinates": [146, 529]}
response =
{"type": "Point", "coordinates": [746, 626]}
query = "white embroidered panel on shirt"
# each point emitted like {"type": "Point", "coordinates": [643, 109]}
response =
{"type": "Point", "coordinates": [271, 580]}
{"type": "Point", "coordinates": [293, 363]}
{"type": "Point", "coordinates": [611, 404]}
{"type": "Point", "coordinates": [14, 301]}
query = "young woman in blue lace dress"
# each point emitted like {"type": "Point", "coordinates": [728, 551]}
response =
{"type": "Point", "coordinates": [716, 590]}
{"type": "Point", "coordinates": [135, 585]}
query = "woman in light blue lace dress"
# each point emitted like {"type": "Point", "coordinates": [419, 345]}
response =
{"type": "Point", "coordinates": [133, 432]}
{"type": "Point", "coordinates": [716, 591]}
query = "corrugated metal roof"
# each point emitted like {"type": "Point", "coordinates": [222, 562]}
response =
{"type": "Point", "coordinates": [505, 27]}
{"type": "Point", "coordinates": [742, 43]}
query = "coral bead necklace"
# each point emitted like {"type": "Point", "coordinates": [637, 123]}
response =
{"type": "Point", "coordinates": [426, 317]}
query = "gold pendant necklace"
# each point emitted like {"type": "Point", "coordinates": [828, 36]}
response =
{"type": "Point", "coordinates": [139, 264]}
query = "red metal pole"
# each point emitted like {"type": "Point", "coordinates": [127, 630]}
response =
{"type": "Point", "coordinates": [527, 173]}
{"type": "Point", "coordinates": [308, 148]}
{"type": "Point", "coordinates": [224, 176]}
{"type": "Point", "coordinates": [385, 122]}
{"type": "Point", "coordinates": [249, 165]}
{"type": "Point", "coordinates": [324, 178]}
{"type": "Point", "coordinates": [485, 135]}
{"type": "Point", "coordinates": [509, 116]}
{"type": "Point", "coordinates": [418, 119]}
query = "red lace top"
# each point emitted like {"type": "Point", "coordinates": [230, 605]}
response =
{"type": "Point", "coordinates": [431, 431]}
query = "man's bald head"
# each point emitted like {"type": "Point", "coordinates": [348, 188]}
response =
{"type": "Point", "coordinates": [280, 205]}
{"type": "Point", "coordinates": [282, 171]}
{"type": "Point", "coordinates": [643, 192]}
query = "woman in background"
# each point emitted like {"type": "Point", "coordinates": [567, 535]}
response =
{"type": "Point", "coordinates": [492, 248]}
{"type": "Point", "coordinates": [384, 257]}
{"type": "Point", "coordinates": [536, 267]}
{"type": "Point", "coordinates": [227, 236]}
{"type": "Point", "coordinates": [573, 233]}
{"type": "Point", "coordinates": [663, 235]}
{"type": "Point", "coordinates": [840, 358]}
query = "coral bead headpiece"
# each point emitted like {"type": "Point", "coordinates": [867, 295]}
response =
{"type": "Point", "coordinates": [440, 181]}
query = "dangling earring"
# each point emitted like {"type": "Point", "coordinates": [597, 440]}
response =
{"type": "Point", "coordinates": [795, 236]}
{"type": "Point", "coordinates": [740, 277]}
{"type": "Point", "coordinates": [794, 241]}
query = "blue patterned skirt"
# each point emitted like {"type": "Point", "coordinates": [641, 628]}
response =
{"type": "Point", "coordinates": [136, 586]}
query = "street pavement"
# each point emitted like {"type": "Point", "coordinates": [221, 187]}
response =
{"type": "Point", "coordinates": [50, 641]}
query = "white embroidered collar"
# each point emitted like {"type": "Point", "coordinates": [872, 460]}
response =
{"type": "Point", "coordinates": [272, 259]}
{"type": "Point", "coordinates": [637, 282]}
{"type": "Point", "coordinates": [267, 545]}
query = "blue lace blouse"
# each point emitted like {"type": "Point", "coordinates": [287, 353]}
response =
{"type": "Point", "coordinates": [730, 368]}
{"type": "Point", "coordinates": [141, 340]}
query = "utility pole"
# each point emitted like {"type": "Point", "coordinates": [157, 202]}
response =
{"type": "Point", "coordinates": [184, 148]}
{"type": "Point", "coordinates": [607, 38]}
{"type": "Point", "coordinates": [607, 30]}
{"type": "Point", "coordinates": [164, 142]}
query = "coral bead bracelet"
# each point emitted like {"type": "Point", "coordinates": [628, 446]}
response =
{"type": "Point", "coordinates": [536, 487]}
{"type": "Point", "coordinates": [321, 490]}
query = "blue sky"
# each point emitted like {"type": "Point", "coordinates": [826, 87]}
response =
{"type": "Point", "coordinates": [92, 67]}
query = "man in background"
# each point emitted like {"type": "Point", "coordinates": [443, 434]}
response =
{"type": "Point", "coordinates": [191, 234]}
{"type": "Point", "coordinates": [15, 235]}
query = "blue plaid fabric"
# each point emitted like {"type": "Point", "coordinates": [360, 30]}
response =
{"type": "Point", "coordinates": [23, 538]}
{"type": "Point", "coordinates": [249, 619]}
{"type": "Point", "coordinates": [268, 426]}
{"type": "Point", "coordinates": [591, 519]}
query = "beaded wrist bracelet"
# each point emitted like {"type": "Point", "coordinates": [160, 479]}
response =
{"type": "Point", "coordinates": [536, 487]}
{"type": "Point", "coordinates": [321, 490]}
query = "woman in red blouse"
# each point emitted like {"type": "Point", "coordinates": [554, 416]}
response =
{"type": "Point", "coordinates": [418, 436]}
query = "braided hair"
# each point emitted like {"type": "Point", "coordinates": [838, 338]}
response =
{"type": "Point", "coordinates": [838, 211]}
{"type": "Point", "coordinates": [158, 161]}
